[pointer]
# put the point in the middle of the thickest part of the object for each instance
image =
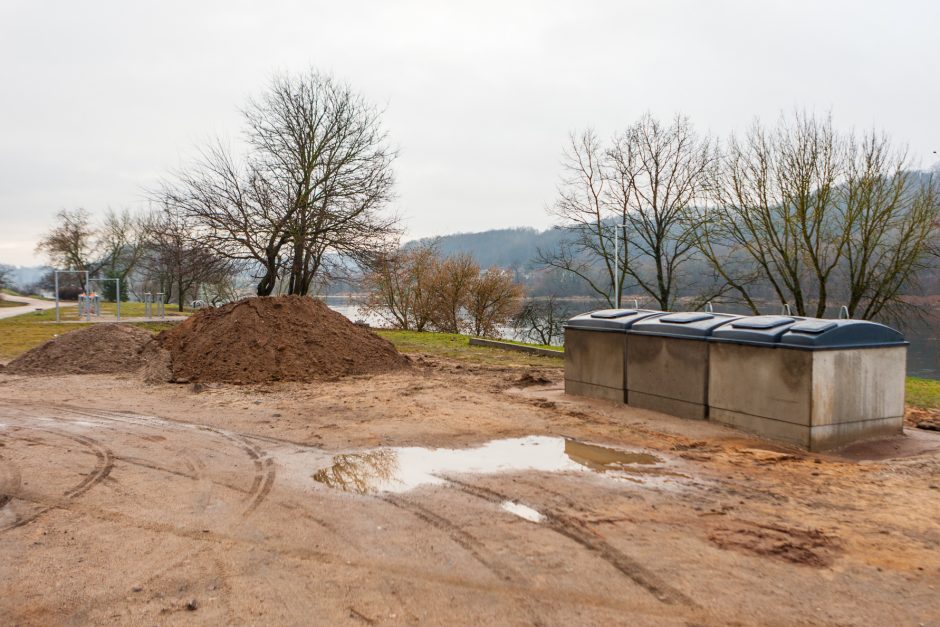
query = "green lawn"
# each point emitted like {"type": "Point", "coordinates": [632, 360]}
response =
{"type": "Point", "coordinates": [12, 292]}
{"type": "Point", "coordinates": [923, 393]}
{"type": "Point", "coordinates": [21, 333]}
{"type": "Point", "coordinates": [11, 303]}
{"type": "Point", "coordinates": [130, 310]}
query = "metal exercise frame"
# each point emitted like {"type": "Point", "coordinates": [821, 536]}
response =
{"type": "Point", "coordinates": [57, 273]}
{"type": "Point", "coordinates": [117, 283]}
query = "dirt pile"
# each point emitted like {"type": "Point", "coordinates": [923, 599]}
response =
{"type": "Point", "coordinates": [927, 419]}
{"type": "Point", "coordinates": [282, 338]}
{"type": "Point", "coordinates": [99, 349]}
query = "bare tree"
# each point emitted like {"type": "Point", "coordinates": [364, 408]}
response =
{"type": "Point", "coordinates": [113, 247]}
{"type": "Point", "coordinates": [313, 187]}
{"type": "Point", "coordinates": [179, 262]}
{"type": "Point", "coordinates": [401, 287]}
{"type": "Point", "coordinates": [541, 320]}
{"type": "Point", "coordinates": [122, 240]}
{"type": "Point", "coordinates": [588, 218]}
{"type": "Point", "coordinates": [241, 214]}
{"type": "Point", "coordinates": [658, 173]}
{"type": "Point", "coordinates": [415, 289]}
{"type": "Point", "coordinates": [453, 282]}
{"type": "Point", "coordinates": [71, 243]}
{"type": "Point", "coordinates": [492, 300]}
{"type": "Point", "coordinates": [637, 192]}
{"type": "Point", "coordinates": [812, 215]}
{"type": "Point", "coordinates": [890, 217]}
{"type": "Point", "coordinates": [325, 145]}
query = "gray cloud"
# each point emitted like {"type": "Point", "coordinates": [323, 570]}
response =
{"type": "Point", "coordinates": [101, 99]}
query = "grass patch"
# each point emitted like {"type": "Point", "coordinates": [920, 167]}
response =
{"type": "Point", "coordinates": [69, 311]}
{"type": "Point", "coordinates": [454, 346]}
{"type": "Point", "coordinates": [11, 303]}
{"type": "Point", "coordinates": [923, 393]}
{"type": "Point", "coordinates": [11, 292]}
{"type": "Point", "coordinates": [21, 333]}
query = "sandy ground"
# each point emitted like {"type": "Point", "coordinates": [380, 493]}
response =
{"type": "Point", "coordinates": [125, 503]}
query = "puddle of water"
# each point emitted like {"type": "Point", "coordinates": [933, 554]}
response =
{"type": "Point", "coordinates": [522, 511]}
{"type": "Point", "coordinates": [405, 468]}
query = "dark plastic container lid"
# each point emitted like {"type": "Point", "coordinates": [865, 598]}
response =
{"type": "Point", "coordinates": [816, 334]}
{"type": "Point", "coordinates": [614, 320]}
{"type": "Point", "coordinates": [690, 324]}
{"type": "Point", "coordinates": [807, 333]}
{"type": "Point", "coordinates": [755, 330]}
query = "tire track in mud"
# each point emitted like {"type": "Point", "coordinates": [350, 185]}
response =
{"type": "Point", "coordinates": [262, 482]}
{"type": "Point", "coordinates": [265, 473]}
{"type": "Point", "coordinates": [474, 547]}
{"type": "Point", "coordinates": [104, 464]}
{"type": "Point", "coordinates": [255, 494]}
{"type": "Point", "coordinates": [12, 480]}
{"type": "Point", "coordinates": [463, 539]}
{"type": "Point", "coordinates": [570, 529]}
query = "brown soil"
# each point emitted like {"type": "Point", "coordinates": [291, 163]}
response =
{"type": "Point", "coordinates": [100, 349]}
{"type": "Point", "coordinates": [812, 547]}
{"type": "Point", "coordinates": [282, 338]}
{"type": "Point", "coordinates": [927, 419]}
{"type": "Point", "coordinates": [197, 504]}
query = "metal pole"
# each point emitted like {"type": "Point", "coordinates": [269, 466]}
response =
{"type": "Point", "coordinates": [118, 283]}
{"type": "Point", "coordinates": [616, 271]}
{"type": "Point", "coordinates": [56, 273]}
{"type": "Point", "coordinates": [626, 251]}
{"type": "Point", "coordinates": [617, 261]}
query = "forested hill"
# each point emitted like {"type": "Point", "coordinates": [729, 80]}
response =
{"type": "Point", "coordinates": [507, 248]}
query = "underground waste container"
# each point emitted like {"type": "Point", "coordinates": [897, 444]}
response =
{"type": "Point", "coordinates": [815, 383]}
{"type": "Point", "coordinates": [595, 349]}
{"type": "Point", "coordinates": [668, 362]}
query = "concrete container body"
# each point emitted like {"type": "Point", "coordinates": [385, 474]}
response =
{"type": "Point", "coordinates": [668, 363]}
{"type": "Point", "coordinates": [595, 349]}
{"type": "Point", "coordinates": [819, 384]}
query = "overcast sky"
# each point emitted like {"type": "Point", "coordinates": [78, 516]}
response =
{"type": "Point", "coordinates": [101, 99]}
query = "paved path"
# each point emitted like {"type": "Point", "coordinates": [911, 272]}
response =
{"type": "Point", "coordinates": [32, 304]}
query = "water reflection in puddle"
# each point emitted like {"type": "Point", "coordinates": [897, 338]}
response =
{"type": "Point", "coordinates": [522, 511]}
{"type": "Point", "coordinates": [403, 469]}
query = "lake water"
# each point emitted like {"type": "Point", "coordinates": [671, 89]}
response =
{"type": "Point", "coordinates": [923, 355]}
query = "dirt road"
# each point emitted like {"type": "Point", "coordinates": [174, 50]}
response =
{"type": "Point", "coordinates": [130, 504]}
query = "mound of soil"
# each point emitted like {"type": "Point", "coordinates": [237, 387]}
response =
{"type": "Point", "coordinates": [98, 349]}
{"type": "Point", "coordinates": [280, 338]}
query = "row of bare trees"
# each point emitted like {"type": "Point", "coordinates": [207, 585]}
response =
{"type": "Point", "coordinates": [797, 212]}
{"type": "Point", "coordinates": [307, 196]}
{"type": "Point", "coordinates": [158, 252]}
{"type": "Point", "coordinates": [305, 200]}
{"type": "Point", "coordinates": [418, 289]}
{"type": "Point", "coordinates": [112, 247]}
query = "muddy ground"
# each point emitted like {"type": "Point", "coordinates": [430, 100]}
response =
{"type": "Point", "coordinates": [128, 503]}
